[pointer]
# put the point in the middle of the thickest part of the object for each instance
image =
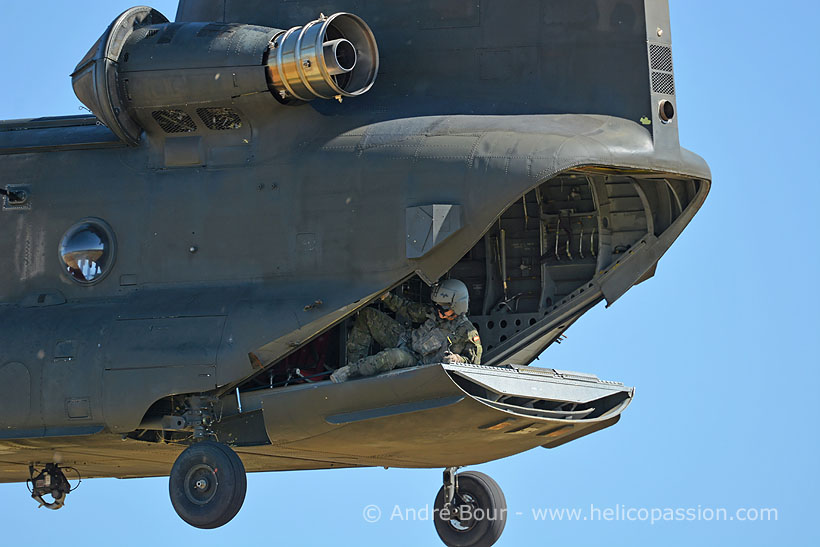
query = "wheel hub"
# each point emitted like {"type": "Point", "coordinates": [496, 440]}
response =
{"type": "Point", "coordinates": [201, 484]}
{"type": "Point", "coordinates": [463, 516]}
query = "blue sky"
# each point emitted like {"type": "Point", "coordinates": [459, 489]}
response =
{"type": "Point", "coordinates": [722, 345]}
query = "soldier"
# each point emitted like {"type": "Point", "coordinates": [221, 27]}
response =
{"type": "Point", "coordinates": [445, 335]}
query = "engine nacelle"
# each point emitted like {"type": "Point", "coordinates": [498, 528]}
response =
{"type": "Point", "coordinates": [143, 64]}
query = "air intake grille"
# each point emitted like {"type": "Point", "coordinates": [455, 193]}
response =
{"type": "Point", "coordinates": [174, 121]}
{"type": "Point", "coordinates": [220, 119]}
{"type": "Point", "coordinates": [663, 82]}
{"type": "Point", "coordinates": [660, 61]}
{"type": "Point", "coordinates": [661, 57]}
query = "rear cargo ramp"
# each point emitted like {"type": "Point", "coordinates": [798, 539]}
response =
{"type": "Point", "coordinates": [439, 415]}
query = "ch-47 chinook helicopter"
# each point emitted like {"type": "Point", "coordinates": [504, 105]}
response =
{"type": "Point", "coordinates": [183, 265]}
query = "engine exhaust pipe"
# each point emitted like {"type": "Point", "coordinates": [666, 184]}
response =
{"type": "Point", "coordinates": [340, 56]}
{"type": "Point", "coordinates": [331, 57]}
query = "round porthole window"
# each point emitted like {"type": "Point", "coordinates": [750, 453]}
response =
{"type": "Point", "coordinates": [87, 251]}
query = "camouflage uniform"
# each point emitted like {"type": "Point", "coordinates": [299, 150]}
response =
{"type": "Point", "coordinates": [431, 342]}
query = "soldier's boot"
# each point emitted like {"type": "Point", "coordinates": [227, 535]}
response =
{"type": "Point", "coordinates": [360, 367]}
{"type": "Point", "coordinates": [341, 375]}
{"type": "Point", "coordinates": [366, 366]}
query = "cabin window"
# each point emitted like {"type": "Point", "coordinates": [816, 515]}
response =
{"type": "Point", "coordinates": [87, 251]}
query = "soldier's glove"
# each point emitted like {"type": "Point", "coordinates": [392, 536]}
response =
{"type": "Point", "coordinates": [450, 358]}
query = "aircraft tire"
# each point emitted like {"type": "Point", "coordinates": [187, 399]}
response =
{"type": "Point", "coordinates": [487, 505]}
{"type": "Point", "coordinates": [207, 485]}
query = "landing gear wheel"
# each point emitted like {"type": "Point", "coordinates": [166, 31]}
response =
{"type": "Point", "coordinates": [207, 485]}
{"type": "Point", "coordinates": [478, 513]}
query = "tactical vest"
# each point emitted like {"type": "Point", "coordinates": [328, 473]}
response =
{"type": "Point", "coordinates": [431, 341]}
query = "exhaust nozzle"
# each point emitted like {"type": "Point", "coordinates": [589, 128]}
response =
{"type": "Point", "coordinates": [328, 58]}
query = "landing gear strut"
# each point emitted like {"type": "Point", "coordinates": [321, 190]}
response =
{"type": "Point", "coordinates": [207, 484]}
{"type": "Point", "coordinates": [470, 510]}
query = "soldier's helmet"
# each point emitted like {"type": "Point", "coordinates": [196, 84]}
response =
{"type": "Point", "coordinates": [451, 294]}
